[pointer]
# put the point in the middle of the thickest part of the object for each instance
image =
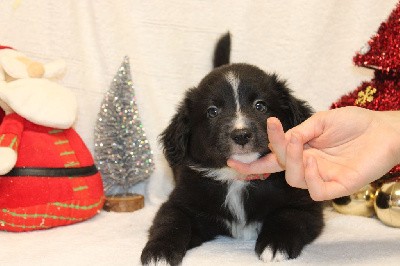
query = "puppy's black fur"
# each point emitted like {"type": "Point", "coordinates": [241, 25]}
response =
{"type": "Point", "coordinates": [223, 117]}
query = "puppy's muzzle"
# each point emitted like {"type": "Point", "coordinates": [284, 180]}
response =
{"type": "Point", "coordinates": [241, 136]}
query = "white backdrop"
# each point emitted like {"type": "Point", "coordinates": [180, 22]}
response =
{"type": "Point", "coordinates": [170, 43]}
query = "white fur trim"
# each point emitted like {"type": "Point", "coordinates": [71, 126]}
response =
{"type": "Point", "coordinates": [2, 74]}
{"type": "Point", "coordinates": [11, 65]}
{"type": "Point", "coordinates": [54, 69]}
{"type": "Point", "coordinates": [8, 158]}
{"type": "Point", "coordinates": [7, 109]}
{"type": "Point", "coordinates": [268, 256]}
{"type": "Point", "coordinates": [41, 101]}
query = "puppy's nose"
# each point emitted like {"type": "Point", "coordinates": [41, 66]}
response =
{"type": "Point", "coordinates": [241, 136]}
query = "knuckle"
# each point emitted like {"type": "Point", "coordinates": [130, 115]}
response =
{"type": "Point", "coordinates": [316, 196]}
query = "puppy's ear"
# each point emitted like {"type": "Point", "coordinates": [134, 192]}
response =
{"type": "Point", "coordinates": [296, 110]}
{"type": "Point", "coordinates": [175, 137]}
{"type": "Point", "coordinates": [300, 110]}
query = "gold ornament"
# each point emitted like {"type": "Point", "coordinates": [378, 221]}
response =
{"type": "Point", "coordinates": [364, 97]}
{"type": "Point", "coordinates": [387, 204]}
{"type": "Point", "coordinates": [360, 203]}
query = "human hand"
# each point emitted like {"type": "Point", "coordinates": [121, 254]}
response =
{"type": "Point", "coordinates": [333, 153]}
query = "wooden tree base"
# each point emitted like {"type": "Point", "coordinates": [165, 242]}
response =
{"type": "Point", "coordinates": [124, 203]}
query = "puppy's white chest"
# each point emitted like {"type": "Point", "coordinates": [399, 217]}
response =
{"type": "Point", "coordinates": [244, 231]}
{"type": "Point", "coordinates": [234, 202]}
{"type": "Point", "coordinates": [239, 227]}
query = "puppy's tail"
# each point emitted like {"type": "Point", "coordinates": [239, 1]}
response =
{"type": "Point", "coordinates": [222, 51]}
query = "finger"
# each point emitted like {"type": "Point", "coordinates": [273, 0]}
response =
{"type": "Point", "coordinates": [318, 188]}
{"type": "Point", "coordinates": [294, 163]}
{"type": "Point", "coordinates": [266, 164]}
{"type": "Point", "coordinates": [310, 128]}
{"type": "Point", "coordinates": [276, 137]}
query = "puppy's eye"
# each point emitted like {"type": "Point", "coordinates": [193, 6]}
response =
{"type": "Point", "coordinates": [260, 106]}
{"type": "Point", "coordinates": [212, 111]}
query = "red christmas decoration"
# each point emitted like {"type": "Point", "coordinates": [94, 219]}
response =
{"type": "Point", "coordinates": [54, 181]}
{"type": "Point", "coordinates": [382, 50]}
{"type": "Point", "coordinates": [382, 93]}
{"type": "Point", "coordinates": [47, 174]}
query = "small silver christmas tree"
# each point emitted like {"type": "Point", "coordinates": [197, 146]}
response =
{"type": "Point", "coordinates": [121, 151]}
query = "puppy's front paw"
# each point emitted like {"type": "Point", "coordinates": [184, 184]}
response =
{"type": "Point", "coordinates": [269, 255]}
{"type": "Point", "coordinates": [161, 254]}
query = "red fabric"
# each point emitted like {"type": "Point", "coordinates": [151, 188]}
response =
{"type": "Point", "coordinates": [12, 124]}
{"type": "Point", "coordinates": [5, 47]}
{"type": "Point", "coordinates": [50, 148]}
{"type": "Point", "coordinates": [9, 140]}
{"type": "Point", "coordinates": [383, 48]}
{"type": "Point", "coordinates": [49, 215]}
{"type": "Point", "coordinates": [47, 151]}
{"type": "Point", "coordinates": [10, 131]}
{"type": "Point", "coordinates": [385, 98]}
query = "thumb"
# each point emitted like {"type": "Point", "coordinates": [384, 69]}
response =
{"type": "Point", "coordinates": [276, 137]}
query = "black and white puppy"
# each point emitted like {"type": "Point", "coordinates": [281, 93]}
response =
{"type": "Point", "coordinates": [225, 117]}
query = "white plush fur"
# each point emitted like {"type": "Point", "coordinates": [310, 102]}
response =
{"type": "Point", "coordinates": [41, 101]}
{"type": "Point", "coordinates": [10, 63]}
{"type": "Point", "coordinates": [8, 158]}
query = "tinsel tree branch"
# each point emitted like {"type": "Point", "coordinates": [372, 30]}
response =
{"type": "Point", "coordinates": [122, 151]}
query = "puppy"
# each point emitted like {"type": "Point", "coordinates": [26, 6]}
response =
{"type": "Point", "coordinates": [225, 117]}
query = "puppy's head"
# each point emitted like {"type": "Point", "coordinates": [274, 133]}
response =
{"type": "Point", "coordinates": [225, 117]}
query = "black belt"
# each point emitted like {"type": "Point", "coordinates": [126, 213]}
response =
{"type": "Point", "coordinates": [53, 172]}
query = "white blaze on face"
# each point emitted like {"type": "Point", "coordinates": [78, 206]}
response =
{"type": "Point", "coordinates": [241, 122]}
{"type": "Point", "coordinates": [234, 81]}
